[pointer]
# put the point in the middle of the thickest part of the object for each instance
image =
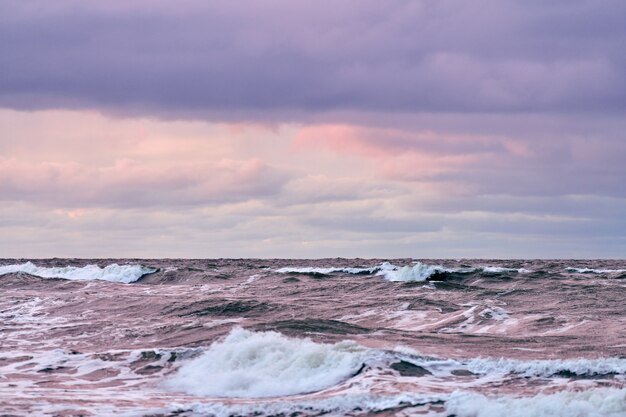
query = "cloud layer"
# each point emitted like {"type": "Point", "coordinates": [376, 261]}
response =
{"type": "Point", "coordinates": [142, 187]}
{"type": "Point", "coordinates": [285, 58]}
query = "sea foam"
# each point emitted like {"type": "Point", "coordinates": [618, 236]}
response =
{"type": "Point", "coordinates": [327, 271]}
{"type": "Point", "coordinates": [594, 271]}
{"type": "Point", "coordinates": [114, 272]}
{"type": "Point", "coordinates": [548, 367]}
{"type": "Point", "coordinates": [419, 271]}
{"type": "Point", "coordinates": [267, 364]}
{"type": "Point", "coordinates": [352, 404]}
{"type": "Point", "coordinates": [608, 402]}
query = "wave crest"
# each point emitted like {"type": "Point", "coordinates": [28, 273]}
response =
{"type": "Point", "coordinates": [609, 402]}
{"type": "Point", "coordinates": [267, 364]}
{"type": "Point", "coordinates": [113, 273]}
{"type": "Point", "coordinates": [410, 273]}
{"type": "Point", "coordinates": [418, 272]}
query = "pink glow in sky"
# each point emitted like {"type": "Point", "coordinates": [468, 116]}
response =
{"type": "Point", "coordinates": [313, 129]}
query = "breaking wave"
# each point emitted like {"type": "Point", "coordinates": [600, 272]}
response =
{"type": "Point", "coordinates": [327, 271]}
{"type": "Point", "coordinates": [594, 271]}
{"type": "Point", "coordinates": [607, 402]}
{"type": "Point", "coordinates": [267, 364]}
{"type": "Point", "coordinates": [502, 270]}
{"type": "Point", "coordinates": [423, 272]}
{"type": "Point", "coordinates": [544, 368]}
{"type": "Point", "coordinates": [548, 368]}
{"type": "Point", "coordinates": [353, 404]}
{"type": "Point", "coordinates": [113, 273]}
{"type": "Point", "coordinates": [416, 272]}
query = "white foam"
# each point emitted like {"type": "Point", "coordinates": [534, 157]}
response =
{"type": "Point", "coordinates": [114, 272]}
{"type": "Point", "coordinates": [530, 368]}
{"type": "Point", "coordinates": [608, 402]}
{"type": "Point", "coordinates": [266, 364]}
{"type": "Point", "coordinates": [418, 272]}
{"type": "Point", "coordinates": [494, 313]}
{"type": "Point", "coordinates": [326, 271]}
{"type": "Point", "coordinates": [480, 317]}
{"type": "Point", "coordinates": [546, 368]}
{"type": "Point", "coordinates": [337, 405]}
{"type": "Point", "coordinates": [594, 271]}
{"type": "Point", "coordinates": [500, 269]}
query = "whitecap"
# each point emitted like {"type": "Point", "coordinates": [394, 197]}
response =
{"type": "Point", "coordinates": [267, 364]}
{"type": "Point", "coordinates": [529, 368]}
{"type": "Point", "coordinates": [602, 402]}
{"type": "Point", "coordinates": [417, 272]}
{"type": "Point", "coordinates": [354, 403]}
{"type": "Point", "coordinates": [326, 271]}
{"type": "Point", "coordinates": [114, 272]}
{"type": "Point", "coordinates": [500, 269]}
{"type": "Point", "coordinates": [548, 367]}
{"type": "Point", "coordinates": [594, 271]}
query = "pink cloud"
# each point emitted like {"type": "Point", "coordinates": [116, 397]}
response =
{"type": "Point", "coordinates": [397, 154]}
{"type": "Point", "coordinates": [338, 138]}
{"type": "Point", "coordinates": [130, 182]}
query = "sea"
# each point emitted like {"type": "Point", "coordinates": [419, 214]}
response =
{"type": "Point", "coordinates": [298, 337]}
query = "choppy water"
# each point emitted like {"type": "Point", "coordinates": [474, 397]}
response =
{"type": "Point", "coordinates": [312, 337]}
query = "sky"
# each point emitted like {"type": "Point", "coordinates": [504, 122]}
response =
{"type": "Point", "coordinates": [307, 129]}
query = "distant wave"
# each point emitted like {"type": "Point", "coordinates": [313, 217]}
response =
{"type": "Point", "coordinates": [423, 272]}
{"type": "Point", "coordinates": [594, 271]}
{"type": "Point", "coordinates": [417, 272]}
{"type": "Point", "coordinates": [114, 272]}
{"type": "Point", "coordinates": [267, 364]}
{"type": "Point", "coordinates": [502, 270]}
{"type": "Point", "coordinates": [327, 271]}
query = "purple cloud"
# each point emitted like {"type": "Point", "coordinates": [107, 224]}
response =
{"type": "Point", "coordinates": [231, 60]}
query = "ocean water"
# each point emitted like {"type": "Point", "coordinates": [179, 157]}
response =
{"type": "Point", "coordinates": [250, 337]}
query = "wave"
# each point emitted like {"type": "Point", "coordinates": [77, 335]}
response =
{"type": "Point", "coordinates": [267, 364]}
{"type": "Point", "coordinates": [418, 272]}
{"type": "Point", "coordinates": [549, 367]}
{"type": "Point", "coordinates": [353, 404]}
{"type": "Point", "coordinates": [544, 368]}
{"type": "Point", "coordinates": [594, 271]}
{"type": "Point", "coordinates": [601, 402]}
{"type": "Point", "coordinates": [113, 273]}
{"type": "Point", "coordinates": [424, 272]}
{"type": "Point", "coordinates": [503, 270]}
{"type": "Point", "coordinates": [327, 271]}
{"type": "Point", "coordinates": [248, 364]}
{"type": "Point", "coordinates": [598, 402]}
{"type": "Point", "coordinates": [409, 273]}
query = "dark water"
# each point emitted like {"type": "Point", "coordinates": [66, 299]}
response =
{"type": "Point", "coordinates": [226, 337]}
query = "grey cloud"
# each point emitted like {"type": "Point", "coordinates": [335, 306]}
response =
{"type": "Point", "coordinates": [372, 224]}
{"type": "Point", "coordinates": [583, 207]}
{"type": "Point", "coordinates": [220, 59]}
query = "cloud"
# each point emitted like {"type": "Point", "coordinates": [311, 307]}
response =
{"type": "Point", "coordinates": [130, 183]}
{"type": "Point", "coordinates": [283, 60]}
{"type": "Point", "coordinates": [519, 163]}
{"type": "Point", "coordinates": [103, 162]}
